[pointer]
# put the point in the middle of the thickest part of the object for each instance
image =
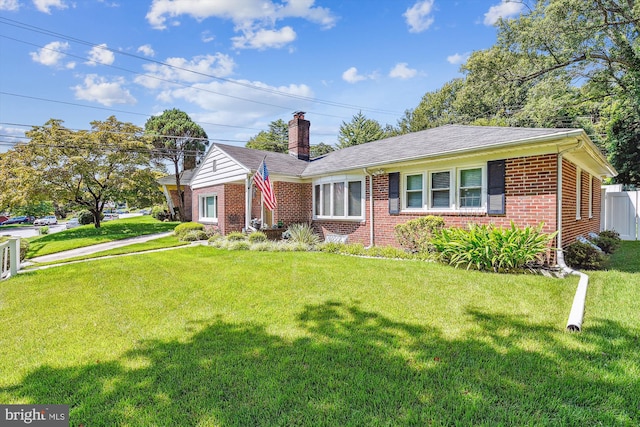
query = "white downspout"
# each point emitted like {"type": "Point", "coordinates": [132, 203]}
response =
{"type": "Point", "coordinates": [247, 203]}
{"type": "Point", "coordinates": [576, 315]}
{"type": "Point", "coordinates": [371, 238]}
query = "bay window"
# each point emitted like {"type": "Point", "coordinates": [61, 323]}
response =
{"type": "Point", "coordinates": [338, 198]}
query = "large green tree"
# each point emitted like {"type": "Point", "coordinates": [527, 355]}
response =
{"type": "Point", "coordinates": [179, 140]}
{"type": "Point", "coordinates": [359, 130]}
{"type": "Point", "coordinates": [276, 139]}
{"type": "Point", "coordinates": [84, 168]}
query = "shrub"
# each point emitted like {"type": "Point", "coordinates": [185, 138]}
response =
{"type": "Point", "coordinates": [416, 234]}
{"type": "Point", "coordinates": [160, 213]}
{"type": "Point", "coordinates": [193, 236]}
{"type": "Point", "coordinates": [608, 241]}
{"type": "Point", "coordinates": [486, 247]}
{"type": "Point", "coordinates": [303, 233]}
{"type": "Point", "coordinates": [85, 217]}
{"type": "Point", "coordinates": [24, 247]}
{"type": "Point", "coordinates": [331, 247]}
{"type": "Point", "coordinates": [186, 227]}
{"type": "Point", "coordinates": [257, 236]}
{"type": "Point", "coordinates": [236, 236]}
{"type": "Point", "coordinates": [238, 245]}
{"type": "Point", "coordinates": [44, 229]}
{"type": "Point", "coordinates": [583, 256]}
{"type": "Point", "coordinates": [215, 238]}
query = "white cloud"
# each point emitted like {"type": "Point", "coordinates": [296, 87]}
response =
{"type": "Point", "coordinates": [100, 54]}
{"type": "Point", "coordinates": [352, 76]}
{"type": "Point", "coordinates": [458, 58]}
{"type": "Point", "coordinates": [52, 55]}
{"type": "Point", "coordinates": [46, 5]}
{"type": "Point", "coordinates": [263, 39]}
{"type": "Point", "coordinates": [419, 17]}
{"type": "Point", "coordinates": [10, 5]}
{"type": "Point", "coordinates": [226, 102]}
{"type": "Point", "coordinates": [505, 9]}
{"type": "Point", "coordinates": [254, 19]}
{"type": "Point", "coordinates": [98, 89]}
{"type": "Point", "coordinates": [402, 71]}
{"type": "Point", "coordinates": [198, 69]}
{"type": "Point", "coordinates": [147, 50]}
{"type": "Point", "coordinates": [207, 37]}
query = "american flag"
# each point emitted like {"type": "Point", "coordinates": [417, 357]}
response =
{"type": "Point", "coordinates": [262, 181]}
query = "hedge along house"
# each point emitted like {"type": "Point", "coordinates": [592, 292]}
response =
{"type": "Point", "coordinates": [466, 174]}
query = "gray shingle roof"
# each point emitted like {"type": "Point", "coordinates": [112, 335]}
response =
{"type": "Point", "coordinates": [448, 139]}
{"type": "Point", "coordinates": [277, 163]}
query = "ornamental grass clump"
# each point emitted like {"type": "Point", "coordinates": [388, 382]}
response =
{"type": "Point", "coordinates": [187, 228]}
{"type": "Point", "coordinates": [257, 237]}
{"type": "Point", "coordinates": [303, 233]}
{"type": "Point", "coordinates": [491, 248]}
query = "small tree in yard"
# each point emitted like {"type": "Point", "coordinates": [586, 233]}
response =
{"type": "Point", "coordinates": [83, 168]}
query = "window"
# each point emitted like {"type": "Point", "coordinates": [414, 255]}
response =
{"type": "Point", "coordinates": [338, 199]}
{"type": "Point", "coordinates": [578, 192]}
{"type": "Point", "coordinates": [470, 189]}
{"type": "Point", "coordinates": [440, 195]}
{"type": "Point", "coordinates": [209, 207]}
{"type": "Point", "coordinates": [413, 193]}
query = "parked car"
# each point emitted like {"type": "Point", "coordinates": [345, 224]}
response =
{"type": "Point", "coordinates": [72, 223]}
{"type": "Point", "coordinates": [110, 216]}
{"type": "Point", "coordinates": [18, 220]}
{"type": "Point", "coordinates": [47, 220]}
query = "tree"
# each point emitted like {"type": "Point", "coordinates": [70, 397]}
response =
{"type": "Point", "coordinates": [320, 150]}
{"type": "Point", "coordinates": [276, 139]}
{"type": "Point", "coordinates": [436, 108]}
{"type": "Point", "coordinates": [359, 131]}
{"type": "Point", "coordinates": [85, 168]}
{"type": "Point", "coordinates": [179, 140]}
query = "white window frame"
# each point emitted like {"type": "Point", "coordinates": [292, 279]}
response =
{"type": "Point", "coordinates": [405, 191]}
{"type": "Point", "coordinates": [318, 202]}
{"type": "Point", "coordinates": [202, 205]}
{"type": "Point", "coordinates": [578, 192]}
{"type": "Point", "coordinates": [451, 204]}
{"type": "Point", "coordinates": [590, 197]}
{"type": "Point", "coordinates": [483, 188]}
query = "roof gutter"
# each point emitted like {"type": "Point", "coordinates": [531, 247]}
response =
{"type": "Point", "coordinates": [576, 315]}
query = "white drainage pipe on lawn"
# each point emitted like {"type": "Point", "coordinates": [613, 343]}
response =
{"type": "Point", "coordinates": [576, 315]}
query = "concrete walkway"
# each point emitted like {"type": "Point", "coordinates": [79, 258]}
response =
{"type": "Point", "coordinates": [87, 250]}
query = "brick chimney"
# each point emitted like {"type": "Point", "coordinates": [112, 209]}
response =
{"type": "Point", "coordinates": [299, 136]}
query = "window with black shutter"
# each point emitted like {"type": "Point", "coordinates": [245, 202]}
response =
{"type": "Point", "coordinates": [496, 187]}
{"type": "Point", "coordinates": [394, 193]}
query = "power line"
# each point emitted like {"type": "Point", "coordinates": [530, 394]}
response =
{"type": "Point", "coordinates": [272, 91]}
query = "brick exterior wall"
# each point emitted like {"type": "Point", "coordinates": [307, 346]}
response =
{"type": "Point", "coordinates": [572, 227]}
{"type": "Point", "coordinates": [230, 206]}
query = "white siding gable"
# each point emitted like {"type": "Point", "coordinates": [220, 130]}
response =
{"type": "Point", "coordinates": [226, 170]}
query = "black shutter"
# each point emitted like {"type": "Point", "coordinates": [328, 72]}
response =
{"type": "Point", "coordinates": [496, 190]}
{"type": "Point", "coordinates": [394, 193]}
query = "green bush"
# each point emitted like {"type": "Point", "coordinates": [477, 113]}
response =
{"type": "Point", "coordinates": [193, 236]}
{"type": "Point", "coordinates": [487, 247]}
{"type": "Point", "coordinates": [257, 236]}
{"type": "Point", "coordinates": [584, 256]}
{"type": "Point", "coordinates": [85, 217]}
{"type": "Point", "coordinates": [331, 247]}
{"type": "Point", "coordinates": [302, 233]}
{"type": "Point", "coordinates": [608, 241]}
{"type": "Point", "coordinates": [160, 213]}
{"type": "Point", "coordinates": [186, 227]}
{"type": "Point", "coordinates": [44, 230]}
{"type": "Point", "coordinates": [415, 235]}
{"type": "Point", "coordinates": [236, 236]}
{"type": "Point", "coordinates": [215, 238]}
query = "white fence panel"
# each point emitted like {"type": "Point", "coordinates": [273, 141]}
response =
{"type": "Point", "coordinates": [622, 213]}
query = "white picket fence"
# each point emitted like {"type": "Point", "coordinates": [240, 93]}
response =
{"type": "Point", "coordinates": [9, 258]}
{"type": "Point", "coordinates": [622, 213]}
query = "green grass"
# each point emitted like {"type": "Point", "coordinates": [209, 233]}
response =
{"type": "Point", "coordinates": [199, 336]}
{"type": "Point", "coordinates": [88, 235]}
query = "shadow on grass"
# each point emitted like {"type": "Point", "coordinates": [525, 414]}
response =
{"type": "Point", "coordinates": [355, 367]}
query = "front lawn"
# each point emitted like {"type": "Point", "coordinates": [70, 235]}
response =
{"type": "Point", "coordinates": [199, 336]}
{"type": "Point", "coordinates": [88, 235]}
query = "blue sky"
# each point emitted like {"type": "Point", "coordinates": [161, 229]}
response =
{"type": "Point", "coordinates": [233, 65]}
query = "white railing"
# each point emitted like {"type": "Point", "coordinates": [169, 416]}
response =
{"type": "Point", "coordinates": [9, 258]}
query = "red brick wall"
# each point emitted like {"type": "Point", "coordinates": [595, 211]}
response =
{"type": "Point", "coordinates": [571, 226]}
{"type": "Point", "coordinates": [230, 206]}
